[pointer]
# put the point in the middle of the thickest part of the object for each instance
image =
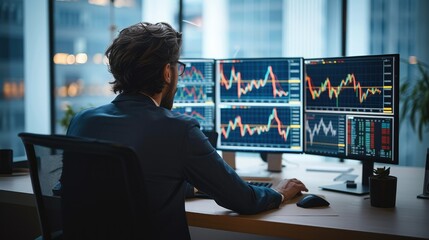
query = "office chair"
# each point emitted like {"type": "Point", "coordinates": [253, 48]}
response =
{"type": "Point", "coordinates": [86, 188]}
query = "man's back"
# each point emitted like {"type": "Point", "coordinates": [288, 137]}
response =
{"type": "Point", "coordinates": [173, 151]}
{"type": "Point", "coordinates": [154, 133]}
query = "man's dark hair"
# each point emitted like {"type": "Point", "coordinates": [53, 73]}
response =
{"type": "Point", "coordinates": [138, 55]}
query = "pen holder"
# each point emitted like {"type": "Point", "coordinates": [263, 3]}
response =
{"type": "Point", "coordinates": [383, 191]}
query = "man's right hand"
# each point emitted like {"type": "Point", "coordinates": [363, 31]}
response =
{"type": "Point", "coordinates": [290, 188]}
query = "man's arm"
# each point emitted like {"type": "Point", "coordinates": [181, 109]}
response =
{"type": "Point", "coordinates": [208, 172]}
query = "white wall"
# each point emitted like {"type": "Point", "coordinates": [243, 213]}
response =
{"type": "Point", "coordinates": [160, 11]}
{"type": "Point", "coordinates": [215, 29]}
{"type": "Point", "coordinates": [358, 38]}
{"type": "Point", "coordinates": [36, 66]}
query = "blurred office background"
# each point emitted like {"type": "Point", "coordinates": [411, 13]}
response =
{"type": "Point", "coordinates": [52, 52]}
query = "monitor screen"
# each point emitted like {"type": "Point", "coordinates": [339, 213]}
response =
{"type": "Point", "coordinates": [351, 111]}
{"type": "Point", "coordinates": [195, 92]}
{"type": "Point", "coordinates": [259, 104]}
{"type": "Point", "coordinates": [351, 107]}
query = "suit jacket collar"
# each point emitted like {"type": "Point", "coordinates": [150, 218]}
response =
{"type": "Point", "coordinates": [133, 97]}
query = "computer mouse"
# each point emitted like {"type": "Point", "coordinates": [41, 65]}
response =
{"type": "Point", "coordinates": [312, 200]}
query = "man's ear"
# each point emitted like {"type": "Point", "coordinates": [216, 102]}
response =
{"type": "Point", "coordinates": [167, 73]}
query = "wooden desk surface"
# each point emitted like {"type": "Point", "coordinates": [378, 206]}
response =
{"type": "Point", "coordinates": [17, 189]}
{"type": "Point", "coordinates": [349, 216]}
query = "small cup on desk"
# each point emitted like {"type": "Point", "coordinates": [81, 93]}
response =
{"type": "Point", "coordinates": [6, 159]}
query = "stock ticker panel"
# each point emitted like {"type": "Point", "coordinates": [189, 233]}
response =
{"type": "Point", "coordinates": [370, 137]}
{"type": "Point", "coordinates": [352, 85]}
{"type": "Point", "coordinates": [260, 80]}
{"type": "Point", "coordinates": [260, 127]}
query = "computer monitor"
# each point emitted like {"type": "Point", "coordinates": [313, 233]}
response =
{"type": "Point", "coordinates": [259, 104]}
{"type": "Point", "coordinates": [352, 111]}
{"type": "Point", "coordinates": [195, 92]}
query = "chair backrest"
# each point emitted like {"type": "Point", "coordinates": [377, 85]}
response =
{"type": "Point", "coordinates": [86, 188]}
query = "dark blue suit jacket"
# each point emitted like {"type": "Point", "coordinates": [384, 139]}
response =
{"type": "Point", "coordinates": [173, 151]}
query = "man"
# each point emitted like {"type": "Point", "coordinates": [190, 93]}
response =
{"type": "Point", "coordinates": [173, 151]}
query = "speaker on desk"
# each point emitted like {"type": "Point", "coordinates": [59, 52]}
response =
{"type": "Point", "coordinates": [425, 193]}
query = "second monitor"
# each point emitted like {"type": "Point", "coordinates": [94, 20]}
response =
{"type": "Point", "coordinates": [195, 96]}
{"type": "Point", "coordinates": [352, 111]}
{"type": "Point", "coordinates": [259, 104]}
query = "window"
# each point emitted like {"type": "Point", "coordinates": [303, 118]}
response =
{"type": "Point", "coordinates": [211, 29]}
{"type": "Point", "coordinates": [83, 31]}
{"type": "Point", "coordinates": [258, 28]}
{"type": "Point", "coordinates": [11, 75]}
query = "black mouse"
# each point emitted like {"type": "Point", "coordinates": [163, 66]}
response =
{"type": "Point", "coordinates": [312, 200]}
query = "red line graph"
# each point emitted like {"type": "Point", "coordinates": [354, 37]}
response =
{"type": "Point", "coordinates": [334, 92]}
{"type": "Point", "coordinates": [185, 93]}
{"type": "Point", "coordinates": [192, 74]}
{"type": "Point", "coordinates": [256, 129]}
{"type": "Point", "coordinates": [245, 86]}
{"type": "Point", "coordinates": [196, 115]}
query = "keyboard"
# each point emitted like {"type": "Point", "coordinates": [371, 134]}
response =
{"type": "Point", "coordinates": [260, 184]}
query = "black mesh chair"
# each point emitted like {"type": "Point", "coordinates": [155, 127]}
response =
{"type": "Point", "coordinates": [87, 189]}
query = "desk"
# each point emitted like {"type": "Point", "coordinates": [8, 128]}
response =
{"type": "Point", "coordinates": [17, 190]}
{"type": "Point", "coordinates": [354, 217]}
{"type": "Point", "coordinates": [18, 214]}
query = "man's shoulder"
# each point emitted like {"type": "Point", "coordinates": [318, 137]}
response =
{"type": "Point", "coordinates": [91, 110]}
{"type": "Point", "coordinates": [181, 118]}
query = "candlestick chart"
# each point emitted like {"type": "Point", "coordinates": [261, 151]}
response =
{"type": "Point", "coordinates": [356, 86]}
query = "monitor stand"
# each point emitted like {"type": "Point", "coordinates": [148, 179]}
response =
{"type": "Point", "coordinates": [274, 160]}
{"type": "Point", "coordinates": [357, 189]}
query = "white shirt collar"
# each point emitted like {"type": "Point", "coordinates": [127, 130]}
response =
{"type": "Point", "coordinates": [156, 103]}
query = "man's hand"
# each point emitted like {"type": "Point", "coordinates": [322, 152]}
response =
{"type": "Point", "coordinates": [290, 188]}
